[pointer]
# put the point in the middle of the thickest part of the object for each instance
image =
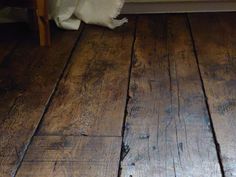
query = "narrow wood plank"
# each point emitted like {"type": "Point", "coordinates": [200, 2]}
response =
{"type": "Point", "coordinates": [27, 79]}
{"type": "Point", "coordinates": [91, 97]}
{"type": "Point", "coordinates": [167, 130]}
{"type": "Point", "coordinates": [215, 39]}
{"type": "Point", "coordinates": [72, 156]}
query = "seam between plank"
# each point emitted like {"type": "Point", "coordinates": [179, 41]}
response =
{"type": "Point", "coordinates": [217, 145]}
{"type": "Point", "coordinates": [47, 105]}
{"type": "Point", "coordinates": [123, 149]}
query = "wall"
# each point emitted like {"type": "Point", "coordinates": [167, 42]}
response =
{"type": "Point", "coordinates": [178, 6]}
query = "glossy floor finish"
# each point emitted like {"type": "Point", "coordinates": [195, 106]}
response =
{"type": "Point", "coordinates": [156, 98]}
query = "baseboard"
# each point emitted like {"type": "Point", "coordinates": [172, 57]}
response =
{"type": "Point", "coordinates": [178, 7]}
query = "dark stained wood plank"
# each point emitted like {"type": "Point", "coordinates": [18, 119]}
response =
{"type": "Point", "coordinates": [215, 40]}
{"type": "Point", "coordinates": [10, 34]}
{"type": "Point", "coordinates": [91, 97]}
{"type": "Point", "coordinates": [72, 156]}
{"type": "Point", "coordinates": [168, 130]}
{"type": "Point", "coordinates": [27, 79]}
{"type": "Point", "coordinates": [6, 49]}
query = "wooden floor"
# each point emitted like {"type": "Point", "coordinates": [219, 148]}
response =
{"type": "Point", "coordinates": [154, 98]}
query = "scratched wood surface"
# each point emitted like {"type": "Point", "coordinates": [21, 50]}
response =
{"type": "Point", "coordinates": [62, 156]}
{"type": "Point", "coordinates": [167, 130]}
{"type": "Point", "coordinates": [27, 79]}
{"type": "Point", "coordinates": [89, 105]}
{"type": "Point", "coordinates": [216, 50]}
{"type": "Point", "coordinates": [91, 98]}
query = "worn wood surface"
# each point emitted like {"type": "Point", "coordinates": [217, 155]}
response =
{"type": "Point", "coordinates": [215, 40]}
{"type": "Point", "coordinates": [27, 79]}
{"type": "Point", "coordinates": [167, 130]}
{"type": "Point", "coordinates": [91, 98]}
{"type": "Point", "coordinates": [72, 156]}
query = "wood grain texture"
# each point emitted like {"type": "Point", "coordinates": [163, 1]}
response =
{"type": "Point", "coordinates": [215, 40]}
{"type": "Point", "coordinates": [167, 131]}
{"type": "Point", "coordinates": [43, 22]}
{"type": "Point", "coordinates": [72, 156]}
{"type": "Point", "coordinates": [92, 95]}
{"type": "Point", "coordinates": [27, 79]}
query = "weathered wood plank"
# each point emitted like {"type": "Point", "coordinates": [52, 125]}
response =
{"type": "Point", "coordinates": [168, 130]}
{"type": "Point", "coordinates": [27, 80]}
{"type": "Point", "coordinates": [215, 40]}
{"type": "Point", "coordinates": [91, 97]}
{"type": "Point", "coordinates": [72, 156]}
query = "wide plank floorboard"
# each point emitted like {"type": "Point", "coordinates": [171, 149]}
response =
{"type": "Point", "coordinates": [168, 130]}
{"type": "Point", "coordinates": [27, 80]}
{"type": "Point", "coordinates": [67, 156]}
{"type": "Point", "coordinates": [80, 134]}
{"type": "Point", "coordinates": [215, 39]}
{"type": "Point", "coordinates": [91, 97]}
{"type": "Point", "coordinates": [64, 110]}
